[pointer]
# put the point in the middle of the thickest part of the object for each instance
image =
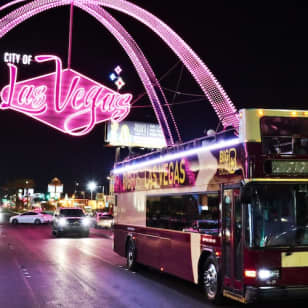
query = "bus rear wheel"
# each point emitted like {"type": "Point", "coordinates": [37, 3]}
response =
{"type": "Point", "coordinates": [211, 281]}
{"type": "Point", "coordinates": [131, 255]}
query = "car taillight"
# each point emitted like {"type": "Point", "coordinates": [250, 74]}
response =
{"type": "Point", "coordinates": [250, 273]}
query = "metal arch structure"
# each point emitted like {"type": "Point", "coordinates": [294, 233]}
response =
{"type": "Point", "coordinates": [216, 95]}
{"type": "Point", "coordinates": [144, 69]}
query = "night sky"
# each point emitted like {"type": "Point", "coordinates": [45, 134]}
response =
{"type": "Point", "coordinates": [259, 55]}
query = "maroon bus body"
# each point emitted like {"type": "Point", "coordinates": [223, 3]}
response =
{"type": "Point", "coordinates": [171, 251]}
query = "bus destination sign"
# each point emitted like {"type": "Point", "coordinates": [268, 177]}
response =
{"type": "Point", "coordinates": [287, 167]}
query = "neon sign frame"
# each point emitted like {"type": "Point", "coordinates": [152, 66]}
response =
{"type": "Point", "coordinates": [85, 102]}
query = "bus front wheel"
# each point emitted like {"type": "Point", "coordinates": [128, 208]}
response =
{"type": "Point", "coordinates": [131, 255]}
{"type": "Point", "coordinates": [211, 280]}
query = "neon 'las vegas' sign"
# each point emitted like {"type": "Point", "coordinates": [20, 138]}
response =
{"type": "Point", "coordinates": [65, 99]}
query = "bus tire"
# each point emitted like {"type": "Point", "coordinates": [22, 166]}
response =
{"type": "Point", "coordinates": [211, 281]}
{"type": "Point", "coordinates": [131, 255]}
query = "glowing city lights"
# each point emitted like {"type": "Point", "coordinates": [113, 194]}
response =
{"type": "Point", "coordinates": [92, 186]}
{"type": "Point", "coordinates": [112, 76]}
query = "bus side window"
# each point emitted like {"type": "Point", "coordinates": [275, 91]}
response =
{"type": "Point", "coordinates": [179, 212]}
{"type": "Point", "coordinates": [209, 206]}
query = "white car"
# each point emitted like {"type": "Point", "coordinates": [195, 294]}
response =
{"type": "Point", "coordinates": [29, 218]}
{"type": "Point", "coordinates": [105, 221]}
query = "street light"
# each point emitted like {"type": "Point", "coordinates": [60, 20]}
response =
{"type": "Point", "coordinates": [76, 186]}
{"type": "Point", "coordinates": [27, 193]}
{"type": "Point", "coordinates": [91, 187]}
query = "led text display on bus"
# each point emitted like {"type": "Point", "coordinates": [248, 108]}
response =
{"type": "Point", "coordinates": [176, 173]}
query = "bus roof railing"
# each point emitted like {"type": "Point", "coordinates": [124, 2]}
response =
{"type": "Point", "coordinates": [198, 142]}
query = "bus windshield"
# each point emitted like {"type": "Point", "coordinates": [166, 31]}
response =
{"type": "Point", "coordinates": [283, 135]}
{"type": "Point", "coordinates": [277, 215]}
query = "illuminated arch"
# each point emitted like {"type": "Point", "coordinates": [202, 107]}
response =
{"type": "Point", "coordinates": [216, 95]}
{"type": "Point", "coordinates": [145, 71]}
{"type": "Point", "coordinates": [219, 100]}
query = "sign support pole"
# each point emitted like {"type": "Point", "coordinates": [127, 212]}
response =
{"type": "Point", "coordinates": [70, 35]}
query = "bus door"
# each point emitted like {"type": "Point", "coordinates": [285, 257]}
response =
{"type": "Point", "coordinates": [232, 244]}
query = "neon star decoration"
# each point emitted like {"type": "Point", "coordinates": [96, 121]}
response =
{"type": "Point", "coordinates": [120, 83]}
{"type": "Point", "coordinates": [115, 77]}
{"type": "Point", "coordinates": [112, 76]}
{"type": "Point", "coordinates": [118, 70]}
{"type": "Point", "coordinates": [65, 99]}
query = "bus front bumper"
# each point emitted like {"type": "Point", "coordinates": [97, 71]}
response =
{"type": "Point", "coordinates": [254, 293]}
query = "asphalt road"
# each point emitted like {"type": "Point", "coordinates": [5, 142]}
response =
{"type": "Point", "coordinates": [37, 270]}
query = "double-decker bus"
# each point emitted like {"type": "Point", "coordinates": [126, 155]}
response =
{"type": "Point", "coordinates": [228, 212]}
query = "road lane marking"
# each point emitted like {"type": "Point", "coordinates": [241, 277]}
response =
{"type": "Point", "coordinates": [27, 284]}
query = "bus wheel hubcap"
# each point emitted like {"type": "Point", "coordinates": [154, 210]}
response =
{"type": "Point", "coordinates": [210, 280]}
{"type": "Point", "coordinates": [130, 257]}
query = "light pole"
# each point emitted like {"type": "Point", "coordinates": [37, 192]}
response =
{"type": "Point", "coordinates": [27, 193]}
{"type": "Point", "coordinates": [92, 186]}
{"type": "Point", "coordinates": [76, 187]}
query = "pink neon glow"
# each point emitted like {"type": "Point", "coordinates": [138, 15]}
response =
{"type": "Point", "coordinates": [65, 100]}
{"type": "Point", "coordinates": [221, 103]}
{"type": "Point", "coordinates": [3, 7]}
{"type": "Point", "coordinates": [141, 64]}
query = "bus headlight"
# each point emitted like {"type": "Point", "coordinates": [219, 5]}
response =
{"type": "Point", "coordinates": [62, 222]}
{"type": "Point", "coordinates": [266, 274]}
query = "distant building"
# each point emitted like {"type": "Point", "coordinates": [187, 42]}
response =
{"type": "Point", "coordinates": [55, 188]}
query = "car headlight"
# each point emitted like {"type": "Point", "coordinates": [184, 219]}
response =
{"type": "Point", "coordinates": [62, 222]}
{"type": "Point", "coordinates": [266, 274]}
{"type": "Point", "coordinates": [86, 222]}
